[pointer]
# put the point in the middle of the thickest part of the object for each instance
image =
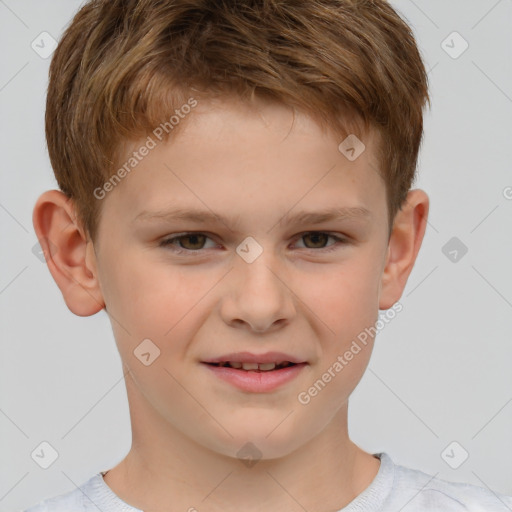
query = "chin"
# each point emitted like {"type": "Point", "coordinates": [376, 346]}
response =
{"type": "Point", "coordinates": [253, 444]}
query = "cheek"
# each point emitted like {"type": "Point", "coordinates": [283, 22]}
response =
{"type": "Point", "coordinates": [147, 291]}
{"type": "Point", "coordinates": [152, 300]}
{"type": "Point", "coordinates": [344, 297]}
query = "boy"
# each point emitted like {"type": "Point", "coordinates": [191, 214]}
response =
{"type": "Point", "coordinates": [203, 150]}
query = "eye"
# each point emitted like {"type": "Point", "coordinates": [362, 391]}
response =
{"type": "Point", "coordinates": [319, 238]}
{"type": "Point", "coordinates": [187, 242]}
{"type": "Point", "coordinates": [194, 242]}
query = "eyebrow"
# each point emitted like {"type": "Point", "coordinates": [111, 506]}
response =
{"type": "Point", "coordinates": [208, 217]}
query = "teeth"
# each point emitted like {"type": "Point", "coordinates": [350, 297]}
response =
{"type": "Point", "coordinates": [250, 366]}
{"type": "Point", "coordinates": [264, 367]}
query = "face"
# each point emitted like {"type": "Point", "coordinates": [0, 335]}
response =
{"type": "Point", "coordinates": [257, 275]}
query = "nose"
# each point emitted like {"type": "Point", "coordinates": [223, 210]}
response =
{"type": "Point", "coordinates": [258, 295]}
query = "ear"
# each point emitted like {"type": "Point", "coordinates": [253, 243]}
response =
{"type": "Point", "coordinates": [403, 247]}
{"type": "Point", "coordinates": [69, 255]}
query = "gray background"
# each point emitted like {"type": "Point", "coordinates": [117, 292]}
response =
{"type": "Point", "coordinates": [441, 370]}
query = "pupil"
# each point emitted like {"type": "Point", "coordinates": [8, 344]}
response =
{"type": "Point", "coordinates": [315, 236]}
{"type": "Point", "coordinates": [194, 241]}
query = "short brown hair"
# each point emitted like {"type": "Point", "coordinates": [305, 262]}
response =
{"type": "Point", "coordinates": [123, 66]}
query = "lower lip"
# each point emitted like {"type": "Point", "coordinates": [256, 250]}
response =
{"type": "Point", "coordinates": [256, 381]}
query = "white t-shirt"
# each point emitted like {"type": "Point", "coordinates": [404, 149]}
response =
{"type": "Point", "coordinates": [395, 488]}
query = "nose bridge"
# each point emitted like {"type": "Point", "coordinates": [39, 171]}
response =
{"type": "Point", "coordinates": [261, 261]}
{"type": "Point", "coordinates": [262, 275]}
{"type": "Point", "coordinates": [260, 296]}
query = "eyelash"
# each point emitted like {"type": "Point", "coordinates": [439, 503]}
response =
{"type": "Point", "coordinates": [168, 242]}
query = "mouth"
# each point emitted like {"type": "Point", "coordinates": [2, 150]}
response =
{"type": "Point", "coordinates": [256, 373]}
{"type": "Point", "coordinates": [254, 367]}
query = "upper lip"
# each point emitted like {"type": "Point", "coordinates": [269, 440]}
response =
{"type": "Point", "coordinates": [249, 357]}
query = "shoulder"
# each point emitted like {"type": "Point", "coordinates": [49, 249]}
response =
{"type": "Point", "coordinates": [78, 500]}
{"type": "Point", "coordinates": [418, 491]}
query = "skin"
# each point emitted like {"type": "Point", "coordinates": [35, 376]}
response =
{"type": "Point", "coordinates": [254, 163]}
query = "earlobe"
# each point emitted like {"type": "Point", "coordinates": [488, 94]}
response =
{"type": "Point", "coordinates": [65, 248]}
{"type": "Point", "coordinates": [404, 244]}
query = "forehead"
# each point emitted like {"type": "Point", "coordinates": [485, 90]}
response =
{"type": "Point", "coordinates": [252, 158]}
